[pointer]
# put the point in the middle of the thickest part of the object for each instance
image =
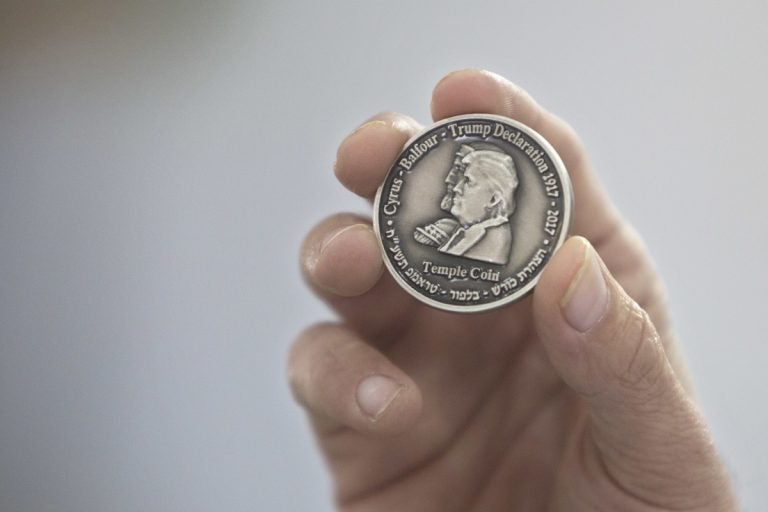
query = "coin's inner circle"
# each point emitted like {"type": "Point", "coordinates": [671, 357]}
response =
{"type": "Point", "coordinates": [471, 211]}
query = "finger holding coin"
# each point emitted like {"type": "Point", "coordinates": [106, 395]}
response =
{"type": "Point", "coordinates": [341, 261]}
{"type": "Point", "coordinates": [341, 256]}
{"type": "Point", "coordinates": [365, 155]}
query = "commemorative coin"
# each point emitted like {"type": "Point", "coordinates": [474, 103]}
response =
{"type": "Point", "coordinates": [471, 211]}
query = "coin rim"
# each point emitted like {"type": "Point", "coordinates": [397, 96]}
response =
{"type": "Point", "coordinates": [568, 201]}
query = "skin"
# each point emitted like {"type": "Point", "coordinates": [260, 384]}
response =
{"type": "Point", "coordinates": [513, 409]}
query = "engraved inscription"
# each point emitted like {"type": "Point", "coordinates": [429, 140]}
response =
{"type": "Point", "coordinates": [457, 272]}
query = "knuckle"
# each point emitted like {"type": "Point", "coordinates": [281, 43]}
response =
{"type": "Point", "coordinates": [294, 368]}
{"type": "Point", "coordinates": [294, 377]}
{"type": "Point", "coordinates": [640, 367]}
{"type": "Point", "coordinates": [301, 369]}
{"type": "Point", "coordinates": [569, 133]}
{"type": "Point", "coordinates": [568, 143]}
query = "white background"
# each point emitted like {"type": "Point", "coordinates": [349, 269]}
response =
{"type": "Point", "coordinates": [160, 161]}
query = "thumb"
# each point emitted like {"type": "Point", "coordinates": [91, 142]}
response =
{"type": "Point", "coordinates": [643, 428]}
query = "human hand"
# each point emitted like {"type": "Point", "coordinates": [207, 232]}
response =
{"type": "Point", "coordinates": [571, 399]}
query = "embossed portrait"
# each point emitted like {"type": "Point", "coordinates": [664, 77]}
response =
{"type": "Point", "coordinates": [480, 197]}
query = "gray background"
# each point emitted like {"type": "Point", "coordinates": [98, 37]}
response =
{"type": "Point", "coordinates": [159, 162]}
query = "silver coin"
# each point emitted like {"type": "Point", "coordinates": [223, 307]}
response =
{"type": "Point", "coordinates": [471, 211]}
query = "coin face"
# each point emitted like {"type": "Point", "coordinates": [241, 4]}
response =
{"type": "Point", "coordinates": [471, 211]}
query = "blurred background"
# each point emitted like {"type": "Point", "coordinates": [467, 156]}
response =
{"type": "Point", "coordinates": [161, 160]}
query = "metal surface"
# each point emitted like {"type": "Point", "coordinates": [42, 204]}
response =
{"type": "Point", "coordinates": [471, 211]}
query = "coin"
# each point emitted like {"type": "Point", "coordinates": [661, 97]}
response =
{"type": "Point", "coordinates": [471, 211]}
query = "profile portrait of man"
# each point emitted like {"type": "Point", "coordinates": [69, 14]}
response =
{"type": "Point", "coordinates": [482, 200]}
{"type": "Point", "coordinates": [454, 175]}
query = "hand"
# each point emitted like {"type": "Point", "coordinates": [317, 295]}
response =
{"type": "Point", "coordinates": [572, 399]}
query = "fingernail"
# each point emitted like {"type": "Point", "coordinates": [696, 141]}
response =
{"type": "Point", "coordinates": [375, 394]}
{"type": "Point", "coordinates": [347, 261]}
{"type": "Point", "coordinates": [334, 236]}
{"type": "Point", "coordinates": [586, 299]}
{"type": "Point", "coordinates": [364, 126]}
